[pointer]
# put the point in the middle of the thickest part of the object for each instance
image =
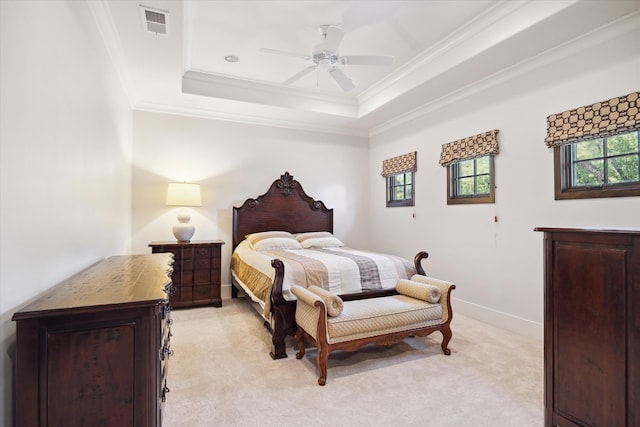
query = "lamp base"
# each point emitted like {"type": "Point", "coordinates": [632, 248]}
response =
{"type": "Point", "coordinates": [183, 232]}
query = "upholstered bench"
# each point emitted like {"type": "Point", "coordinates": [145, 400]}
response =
{"type": "Point", "coordinates": [421, 307]}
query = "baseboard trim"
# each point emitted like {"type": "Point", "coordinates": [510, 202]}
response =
{"type": "Point", "coordinates": [498, 319]}
{"type": "Point", "coordinates": [225, 290]}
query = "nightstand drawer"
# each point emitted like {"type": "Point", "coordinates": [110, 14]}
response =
{"type": "Point", "coordinates": [203, 292]}
{"type": "Point", "coordinates": [202, 264]}
{"type": "Point", "coordinates": [202, 277]}
{"type": "Point", "coordinates": [197, 272]}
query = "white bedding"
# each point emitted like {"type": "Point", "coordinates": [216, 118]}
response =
{"type": "Point", "coordinates": [340, 270]}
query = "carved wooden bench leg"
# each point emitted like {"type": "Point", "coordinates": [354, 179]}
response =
{"type": "Point", "coordinates": [446, 337]}
{"type": "Point", "coordinates": [323, 356]}
{"type": "Point", "coordinates": [300, 342]}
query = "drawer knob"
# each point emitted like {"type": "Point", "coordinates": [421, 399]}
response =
{"type": "Point", "coordinates": [165, 351]}
{"type": "Point", "coordinates": [168, 351]}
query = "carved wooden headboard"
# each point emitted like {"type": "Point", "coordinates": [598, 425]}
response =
{"type": "Point", "coordinates": [285, 206]}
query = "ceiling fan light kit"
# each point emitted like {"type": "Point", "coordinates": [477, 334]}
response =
{"type": "Point", "coordinates": [325, 56]}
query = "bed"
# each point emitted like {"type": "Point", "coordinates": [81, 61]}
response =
{"type": "Point", "coordinates": [265, 263]}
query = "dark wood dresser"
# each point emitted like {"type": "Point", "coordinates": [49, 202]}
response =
{"type": "Point", "coordinates": [592, 327]}
{"type": "Point", "coordinates": [93, 350]}
{"type": "Point", "coordinates": [197, 273]}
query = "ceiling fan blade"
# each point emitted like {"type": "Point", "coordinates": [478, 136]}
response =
{"type": "Point", "coordinates": [341, 78]}
{"type": "Point", "coordinates": [299, 75]}
{"type": "Point", "coordinates": [282, 52]}
{"type": "Point", "coordinates": [332, 37]}
{"type": "Point", "coordinates": [366, 60]}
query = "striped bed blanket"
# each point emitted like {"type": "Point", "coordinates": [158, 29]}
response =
{"type": "Point", "coordinates": [340, 270]}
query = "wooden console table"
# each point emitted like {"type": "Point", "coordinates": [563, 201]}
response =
{"type": "Point", "coordinates": [93, 350]}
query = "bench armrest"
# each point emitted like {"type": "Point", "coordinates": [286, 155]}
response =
{"type": "Point", "coordinates": [445, 289]}
{"type": "Point", "coordinates": [310, 310]}
{"type": "Point", "coordinates": [305, 295]}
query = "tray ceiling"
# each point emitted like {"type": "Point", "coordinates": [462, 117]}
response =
{"type": "Point", "coordinates": [439, 48]}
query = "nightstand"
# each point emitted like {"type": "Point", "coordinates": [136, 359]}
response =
{"type": "Point", "coordinates": [196, 272]}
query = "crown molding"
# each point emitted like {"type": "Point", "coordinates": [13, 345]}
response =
{"type": "Point", "coordinates": [206, 113]}
{"type": "Point", "coordinates": [495, 25]}
{"type": "Point", "coordinates": [626, 24]}
{"type": "Point", "coordinates": [430, 55]}
{"type": "Point", "coordinates": [113, 45]}
{"type": "Point", "coordinates": [198, 82]}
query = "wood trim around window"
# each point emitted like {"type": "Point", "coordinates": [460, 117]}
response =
{"type": "Point", "coordinates": [404, 202]}
{"type": "Point", "coordinates": [466, 200]}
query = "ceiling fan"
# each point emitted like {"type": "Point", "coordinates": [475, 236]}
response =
{"type": "Point", "coordinates": [325, 56]}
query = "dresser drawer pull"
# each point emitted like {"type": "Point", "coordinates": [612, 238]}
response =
{"type": "Point", "coordinates": [165, 390]}
{"type": "Point", "coordinates": [169, 289]}
{"type": "Point", "coordinates": [165, 351]}
{"type": "Point", "coordinates": [165, 309]}
{"type": "Point", "coordinates": [166, 334]}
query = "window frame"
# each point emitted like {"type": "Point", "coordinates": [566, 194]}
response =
{"type": "Point", "coordinates": [563, 171]}
{"type": "Point", "coordinates": [391, 203]}
{"type": "Point", "coordinates": [455, 199]}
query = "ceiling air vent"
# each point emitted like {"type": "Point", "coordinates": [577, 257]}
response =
{"type": "Point", "coordinates": [155, 21]}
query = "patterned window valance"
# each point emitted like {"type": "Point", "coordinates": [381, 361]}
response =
{"type": "Point", "coordinates": [606, 118]}
{"type": "Point", "coordinates": [470, 147]}
{"type": "Point", "coordinates": [400, 164]}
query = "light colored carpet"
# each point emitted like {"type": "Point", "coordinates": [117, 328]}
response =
{"type": "Point", "coordinates": [221, 374]}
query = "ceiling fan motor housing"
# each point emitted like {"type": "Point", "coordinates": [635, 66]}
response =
{"type": "Point", "coordinates": [325, 58]}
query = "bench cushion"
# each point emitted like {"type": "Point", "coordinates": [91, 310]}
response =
{"type": "Point", "coordinates": [377, 316]}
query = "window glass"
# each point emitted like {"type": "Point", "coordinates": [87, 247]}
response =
{"type": "Point", "coordinates": [400, 189]}
{"type": "Point", "coordinates": [483, 184]}
{"type": "Point", "coordinates": [602, 167]}
{"type": "Point", "coordinates": [465, 186]}
{"type": "Point", "coordinates": [483, 164]}
{"type": "Point", "coordinates": [471, 181]}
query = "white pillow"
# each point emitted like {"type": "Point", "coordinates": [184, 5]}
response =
{"type": "Point", "coordinates": [318, 239]}
{"type": "Point", "coordinates": [272, 240]}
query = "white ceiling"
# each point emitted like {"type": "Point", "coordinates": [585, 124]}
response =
{"type": "Point", "coordinates": [440, 47]}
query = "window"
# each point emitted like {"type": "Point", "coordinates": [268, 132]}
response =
{"type": "Point", "coordinates": [603, 167]}
{"type": "Point", "coordinates": [470, 169]}
{"type": "Point", "coordinates": [471, 181]}
{"type": "Point", "coordinates": [596, 149]}
{"type": "Point", "coordinates": [400, 189]}
{"type": "Point", "coordinates": [398, 174]}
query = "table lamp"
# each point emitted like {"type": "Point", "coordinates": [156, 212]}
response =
{"type": "Point", "coordinates": [183, 194]}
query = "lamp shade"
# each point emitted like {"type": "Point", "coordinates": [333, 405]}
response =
{"type": "Point", "coordinates": [183, 194]}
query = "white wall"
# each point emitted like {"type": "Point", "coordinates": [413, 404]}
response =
{"type": "Point", "coordinates": [66, 129]}
{"type": "Point", "coordinates": [233, 162]}
{"type": "Point", "coordinates": [498, 266]}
